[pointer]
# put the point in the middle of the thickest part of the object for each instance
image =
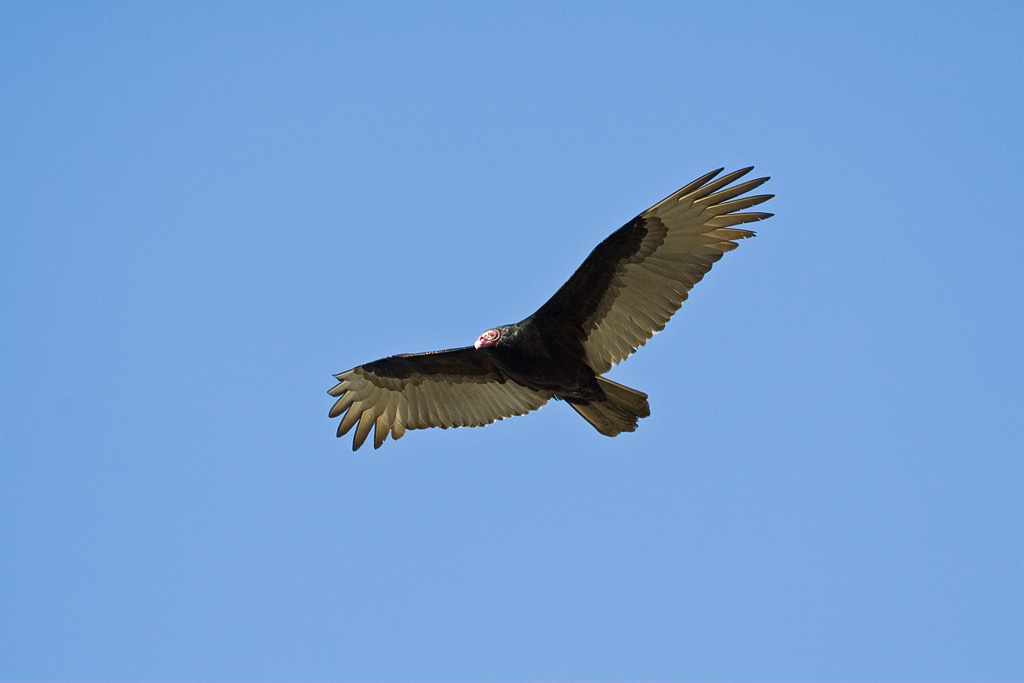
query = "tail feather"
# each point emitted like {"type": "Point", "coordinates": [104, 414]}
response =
{"type": "Point", "coordinates": [618, 413]}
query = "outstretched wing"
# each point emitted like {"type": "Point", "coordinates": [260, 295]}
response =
{"type": "Point", "coordinates": [457, 388]}
{"type": "Point", "coordinates": [637, 278]}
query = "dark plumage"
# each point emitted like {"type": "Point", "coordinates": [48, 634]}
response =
{"type": "Point", "coordinates": [625, 291]}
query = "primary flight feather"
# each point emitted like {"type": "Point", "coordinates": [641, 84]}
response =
{"type": "Point", "coordinates": [625, 291]}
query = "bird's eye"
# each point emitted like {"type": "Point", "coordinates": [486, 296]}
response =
{"type": "Point", "coordinates": [491, 335]}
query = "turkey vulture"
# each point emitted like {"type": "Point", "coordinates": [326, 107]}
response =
{"type": "Point", "coordinates": [624, 292]}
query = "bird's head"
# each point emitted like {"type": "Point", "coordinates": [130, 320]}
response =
{"type": "Point", "coordinates": [488, 338]}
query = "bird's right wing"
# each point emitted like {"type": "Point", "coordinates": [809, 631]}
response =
{"type": "Point", "coordinates": [456, 388]}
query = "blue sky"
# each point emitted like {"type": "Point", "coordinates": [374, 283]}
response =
{"type": "Point", "coordinates": [207, 209]}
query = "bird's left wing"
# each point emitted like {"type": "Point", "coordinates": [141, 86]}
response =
{"type": "Point", "coordinates": [633, 281]}
{"type": "Point", "coordinates": [456, 388]}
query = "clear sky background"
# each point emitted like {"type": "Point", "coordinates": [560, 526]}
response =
{"type": "Point", "coordinates": [207, 209]}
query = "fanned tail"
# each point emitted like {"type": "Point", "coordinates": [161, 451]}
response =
{"type": "Point", "coordinates": [618, 413]}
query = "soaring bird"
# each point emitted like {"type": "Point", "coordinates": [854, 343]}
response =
{"type": "Point", "coordinates": [625, 291]}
